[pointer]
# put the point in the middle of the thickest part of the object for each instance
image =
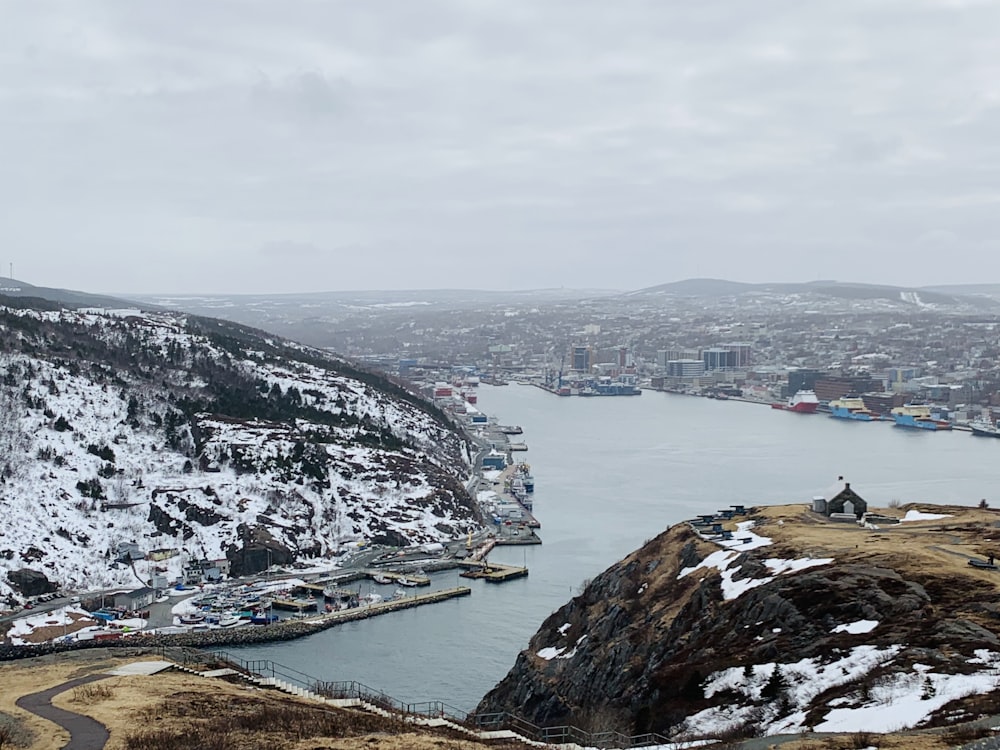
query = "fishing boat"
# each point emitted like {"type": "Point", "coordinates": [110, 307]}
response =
{"type": "Point", "coordinates": [381, 579]}
{"type": "Point", "coordinates": [404, 581]}
{"type": "Point", "coordinates": [195, 618]}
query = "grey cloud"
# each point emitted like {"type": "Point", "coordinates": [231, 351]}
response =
{"type": "Point", "coordinates": [750, 140]}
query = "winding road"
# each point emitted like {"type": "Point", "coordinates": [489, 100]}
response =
{"type": "Point", "coordinates": [84, 733]}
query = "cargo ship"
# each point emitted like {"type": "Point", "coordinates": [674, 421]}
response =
{"type": "Point", "coordinates": [852, 407]}
{"type": "Point", "coordinates": [919, 417]}
{"type": "Point", "coordinates": [985, 428]}
{"type": "Point", "coordinates": [803, 402]}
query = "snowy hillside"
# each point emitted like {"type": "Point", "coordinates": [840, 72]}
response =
{"type": "Point", "coordinates": [198, 439]}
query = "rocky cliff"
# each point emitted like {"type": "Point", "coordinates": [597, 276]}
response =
{"type": "Point", "coordinates": [797, 624]}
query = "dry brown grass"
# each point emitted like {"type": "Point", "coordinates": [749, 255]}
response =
{"type": "Point", "coordinates": [942, 546]}
{"type": "Point", "coordinates": [174, 711]}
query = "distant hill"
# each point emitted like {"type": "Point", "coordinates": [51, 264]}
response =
{"type": "Point", "coordinates": [989, 290]}
{"type": "Point", "coordinates": [64, 297]}
{"type": "Point", "coordinates": [971, 296]}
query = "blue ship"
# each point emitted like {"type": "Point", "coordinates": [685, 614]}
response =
{"type": "Point", "coordinates": [918, 416]}
{"type": "Point", "coordinates": [852, 407]}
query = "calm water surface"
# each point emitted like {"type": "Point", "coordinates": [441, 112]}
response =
{"type": "Point", "coordinates": [611, 473]}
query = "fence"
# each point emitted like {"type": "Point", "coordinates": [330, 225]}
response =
{"type": "Point", "coordinates": [429, 709]}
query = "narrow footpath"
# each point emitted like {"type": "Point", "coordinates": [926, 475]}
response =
{"type": "Point", "coordinates": [84, 732]}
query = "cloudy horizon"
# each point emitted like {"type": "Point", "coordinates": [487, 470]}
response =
{"type": "Point", "coordinates": [253, 147]}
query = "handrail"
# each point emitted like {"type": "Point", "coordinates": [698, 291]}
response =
{"type": "Point", "coordinates": [351, 689]}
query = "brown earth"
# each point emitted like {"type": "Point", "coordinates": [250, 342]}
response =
{"type": "Point", "coordinates": [179, 711]}
{"type": "Point", "coordinates": [943, 546]}
{"type": "Point", "coordinates": [171, 710]}
{"type": "Point", "coordinates": [175, 711]}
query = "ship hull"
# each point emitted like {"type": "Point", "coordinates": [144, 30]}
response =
{"type": "Point", "coordinates": [857, 416]}
{"type": "Point", "coordinates": [986, 432]}
{"type": "Point", "coordinates": [905, 420]}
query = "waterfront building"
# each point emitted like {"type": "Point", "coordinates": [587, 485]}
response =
{"type": "Point", "coordinates": [666, 355]}
{"type": "Point", "coordinates": [718, 358]}
{"type": "Point", "coordinates": [832, 387]}
{"type": "Point", "coordinates": [741, 350]}
{"type": "Point", "coordinates": [685, 368]}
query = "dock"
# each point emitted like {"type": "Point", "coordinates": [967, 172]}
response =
{"type": "Point", "coordinates": [491, 572]}
{"type": "Point", "coordinates": [528, 536]}
{"type": "Point", "coordinates": [293, 605]}
{"type": "Point", "coordinates": [392, 605]}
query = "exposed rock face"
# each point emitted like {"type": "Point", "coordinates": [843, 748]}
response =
{"type": "Point", "coordinates": [633, 651]}
{"type": "Point", "coordinates": [30, 582]}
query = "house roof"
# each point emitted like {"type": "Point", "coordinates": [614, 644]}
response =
{"type": "Point", "coordinates": [138, 593]}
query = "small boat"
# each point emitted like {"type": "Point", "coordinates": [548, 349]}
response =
{"type": "Point", "coordinates": [192, 619]}
{"type": "Point", "coordinates": [985, 428]}
{"type": "Point", "coordinates": [229, 620]}
{"type": "Point", "coordinates": [381, 579]}
{"type": "Point", "coordinates": [404, 581]}
{"type": "Point", "coordinates": [397, 595]}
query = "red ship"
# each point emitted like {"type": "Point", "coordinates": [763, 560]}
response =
{"type": "Point", "coordinates": [803, 402]}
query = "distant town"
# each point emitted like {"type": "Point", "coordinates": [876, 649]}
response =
{"type": "Point", "coordinates": [877, 357]}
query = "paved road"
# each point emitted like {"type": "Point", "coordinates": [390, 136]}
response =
{"type": "Point", "coordinates": [84, 732]}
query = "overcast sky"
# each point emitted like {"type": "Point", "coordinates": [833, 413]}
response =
{"type": "Point", "coordinates": [261, 146]}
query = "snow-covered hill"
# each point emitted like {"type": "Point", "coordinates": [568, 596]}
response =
{"type": "Point", "coordinates": [201, 439]}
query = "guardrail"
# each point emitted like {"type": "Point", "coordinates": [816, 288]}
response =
{"type": "Point", "coordinates": [435, 709]}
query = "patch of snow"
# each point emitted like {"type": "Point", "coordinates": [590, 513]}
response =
{"type": "Point", "coordinates": [734, 588]}
{"type": "Point", "coordinates": [916, 515]}
{"type": "Point", "coordinates": [856, 628]}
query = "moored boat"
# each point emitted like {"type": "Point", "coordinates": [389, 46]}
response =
{"type": "Point", "coordinates": [802, 402]}
{"type": "Point", "coordinates": [919, 417]}
{"type": "Point", "coordinates": [985, 428]}
{"type": "Point", "coordinates": [852, 407]}
{"type": "Point", "coordinates": [381, 579]}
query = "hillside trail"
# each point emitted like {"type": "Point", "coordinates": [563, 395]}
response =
{"type": "Point", "coordinates": [85, 733]}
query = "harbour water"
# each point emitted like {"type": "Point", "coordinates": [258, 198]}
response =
{"type": "Point", "coordinates": [611, 473]}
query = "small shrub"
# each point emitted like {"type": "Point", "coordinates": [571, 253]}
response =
{"type": "Point", "coordinates": [92, 692]}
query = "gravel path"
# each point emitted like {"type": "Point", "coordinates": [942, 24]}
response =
{"type": "Point", "coordinates": [84, 732]}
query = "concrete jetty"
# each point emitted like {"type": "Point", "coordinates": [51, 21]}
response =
{"type": "Point", "coordinates": [492, 572]}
